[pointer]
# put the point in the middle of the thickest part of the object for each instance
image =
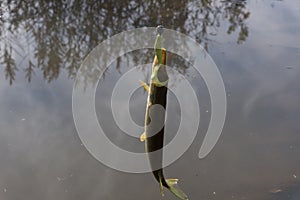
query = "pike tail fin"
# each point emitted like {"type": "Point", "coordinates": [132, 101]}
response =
{"type": "Point", "coordinates": [172, 183]}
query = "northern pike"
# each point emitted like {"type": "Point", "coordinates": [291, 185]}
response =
{"type": "Point", "coordinates": [155, 117]}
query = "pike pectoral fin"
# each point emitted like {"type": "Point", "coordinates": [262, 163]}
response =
{"type": "Point", "coordinates": [172, 183]}
{"type": "Point", "coordinates": [145, 86]}
{"type": "Point", "coordinates": [143, 137]}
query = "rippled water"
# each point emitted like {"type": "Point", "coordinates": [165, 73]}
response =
{"type": "Point", "coordinates": [255, 45]}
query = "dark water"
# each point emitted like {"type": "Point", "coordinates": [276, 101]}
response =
{"type": "Point", "coordinates": [256, 46]}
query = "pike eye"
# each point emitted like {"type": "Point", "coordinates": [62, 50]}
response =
{"type": "Point", "coordinates": [161, 76]}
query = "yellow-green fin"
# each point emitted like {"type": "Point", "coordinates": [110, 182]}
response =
{"type": "Point", "coordinates": [172, 183]}
{"type": "Point", "coordinates": [145, 86]}
{"type": "Point", "coordinates": [161, 187]}
{"type": "Point", "coordinates": [143, 137]}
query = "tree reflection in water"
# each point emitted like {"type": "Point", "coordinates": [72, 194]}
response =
{"type": "Point", "coordinates": [52, 36]}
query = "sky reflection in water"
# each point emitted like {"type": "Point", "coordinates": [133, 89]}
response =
{"type": "Point", "coordinates": [257, 156]}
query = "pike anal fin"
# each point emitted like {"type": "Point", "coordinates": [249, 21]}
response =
{"type": "Point", "coordinates": [161, 187]}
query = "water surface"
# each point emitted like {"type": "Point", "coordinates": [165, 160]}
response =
{"type": "Point", "coordinates": [256, 46]}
